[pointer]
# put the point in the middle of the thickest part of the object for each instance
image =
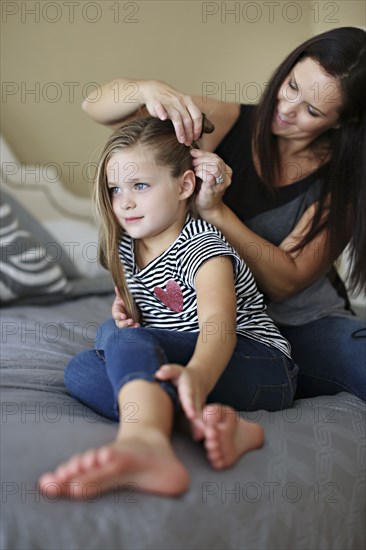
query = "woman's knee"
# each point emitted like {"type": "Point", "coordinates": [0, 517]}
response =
{"type": "Point", "coordinates": [265, 382]}
{"type": "Point", "coordinates": [275, 396]}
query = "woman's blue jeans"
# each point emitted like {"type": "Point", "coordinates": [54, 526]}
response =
{"type": "Point", "coordinates": [257, 376]}
{"type": "Point", "coordinates": [331, 354]}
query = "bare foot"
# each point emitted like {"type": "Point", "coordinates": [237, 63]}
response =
{"type": "Point", "coordinates": [227, 436]}
{"type": "Point", "coordinates": [150, 465]}
{"type": "Point", "coordinates": [194, 428]}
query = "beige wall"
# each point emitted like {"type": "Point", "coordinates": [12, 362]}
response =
{"type": "Point", "coordinates": [58, 49]}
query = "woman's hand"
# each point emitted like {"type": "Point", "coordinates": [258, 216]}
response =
{"type": "Point", "coordinates": [119, 313]}
{"type": "Point", "coordinates": [124, 99]}
{"type": "Point", "coordinates": [190, 386]}
{"type": "Point", "coordinates": [164, 102]}
{"type": "Point", "coordinates": [216, 178]}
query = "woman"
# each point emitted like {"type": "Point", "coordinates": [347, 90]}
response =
{"type": "Point", "coordinates": [297, 195]}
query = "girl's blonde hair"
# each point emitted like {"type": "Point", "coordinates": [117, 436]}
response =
{"type": "Point", "coordinates": [159, 136]}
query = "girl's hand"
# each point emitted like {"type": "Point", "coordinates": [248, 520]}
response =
{"type": "Point", "coordinates": [216, 178]}
{"type": "Point", "coordinates": [119, 313]}
{"type": "Point", "coordinates": [164, 102]}
{"type": "Point", "coordinates": [190, 385]}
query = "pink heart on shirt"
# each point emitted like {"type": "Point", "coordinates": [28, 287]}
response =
{"type": "Point", "coordinates": [172, 297]}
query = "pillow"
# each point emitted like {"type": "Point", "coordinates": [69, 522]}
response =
{"type": "Point", "coordinates": [26, 270]}
{"type": "Point", "coordinates": [55, 251]}
{"type": "Point", "coordinates": [72, 242]}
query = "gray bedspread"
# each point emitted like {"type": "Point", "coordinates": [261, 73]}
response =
{"type": "Point", "coordinates": [305, 489]}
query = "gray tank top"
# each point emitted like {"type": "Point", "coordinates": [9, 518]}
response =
{"type": "Point", "coordinates": [273, 217]}
{"type": "Point", "coordinates": [319, 299]}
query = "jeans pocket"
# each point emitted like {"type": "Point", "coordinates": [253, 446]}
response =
{"type": "Point", "coordinates": [293, 373]}
{"type": "Point", "coordinates": [270, 397]}
{"type": "Point", "coordinates": [275, 397]}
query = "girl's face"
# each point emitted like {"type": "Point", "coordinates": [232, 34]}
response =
{"type": "Point", "coordinates": [146, 200]}
{"type": "Point", "coordinates": [308, 103]}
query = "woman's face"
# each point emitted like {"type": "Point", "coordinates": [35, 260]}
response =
{"type": "Point", "coordinates": [308, 103]}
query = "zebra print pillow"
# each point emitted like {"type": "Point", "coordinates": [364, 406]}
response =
{"type": "Point", "coordinates": [25, 269]}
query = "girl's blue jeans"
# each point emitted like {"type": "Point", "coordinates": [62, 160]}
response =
{"type": "Point", "coordinates": [257, 376]}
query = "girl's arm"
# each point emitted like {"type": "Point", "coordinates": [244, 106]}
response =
{"type": "Point", "coordinates": [216, 304]}
{"type": "Point", "coordinates": [123, 99]}
{"type": "Point", "coordinates": [216, 308]}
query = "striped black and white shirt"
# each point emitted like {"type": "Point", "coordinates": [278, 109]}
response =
{"type": "Point", "coordinates": [165, 289]}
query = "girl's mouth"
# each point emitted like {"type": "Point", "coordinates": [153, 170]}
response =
{"type": "Point", "coordinates": [133, 219]}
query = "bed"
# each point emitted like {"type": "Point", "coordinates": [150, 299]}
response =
{"type": "Point", "coordinates": [305, 489]}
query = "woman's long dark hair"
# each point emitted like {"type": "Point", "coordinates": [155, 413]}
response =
{"type": "Point", "coordinates": [342, 54]}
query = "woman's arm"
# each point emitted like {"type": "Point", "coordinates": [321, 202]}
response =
{"type": "Point", "coordinates": [279, 272]}
{"type": "Point", "coordinates": [216, 304]}
{"type": "Point", "coordinates": [123, 99]}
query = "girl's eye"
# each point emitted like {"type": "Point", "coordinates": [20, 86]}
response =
{"type": "Point", "coordinates": [141, 186]}
{"type": "Point", "coordinates": [113, 190]}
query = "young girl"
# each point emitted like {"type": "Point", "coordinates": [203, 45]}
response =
{"type": "Point", "coordinates": [195, 331]}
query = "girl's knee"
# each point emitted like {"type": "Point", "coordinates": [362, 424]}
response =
{"type": "Point", "coordinates": [105, 331]}
{"type": "Point", "coordinates": [79, 368]}
{"type": "Point", "coordinates": [86, 379]}
{"type": "Point", "coordinates": [129, 336]}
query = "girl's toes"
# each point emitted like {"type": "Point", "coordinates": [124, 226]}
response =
{"type": "Point", "coordinates": [105, 454]}
{"type": "Point", "coordinates": [88, 460]}
{"type": "Point", "coordinates": [215, 456]}
{"type": "Point", "coordinates": [70, 469]}
{"type": "Point", "coordinates": [62, 472]}
{"type": "Point", "coordinates": [46, 479]}
{"type": "Point", "coordinates": [211, 445]}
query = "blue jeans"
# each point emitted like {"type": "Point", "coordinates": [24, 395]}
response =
{"type": "Point", "coordinates": [331, 354]}
{"type": "Point", "coordinates": [257, 376]}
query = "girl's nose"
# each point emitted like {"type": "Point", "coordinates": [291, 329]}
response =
{"type": "Point", "coordinates": [127, 202]}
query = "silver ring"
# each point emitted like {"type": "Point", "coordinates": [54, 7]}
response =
{"type": "Point", "coordinates": [220, 179]}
